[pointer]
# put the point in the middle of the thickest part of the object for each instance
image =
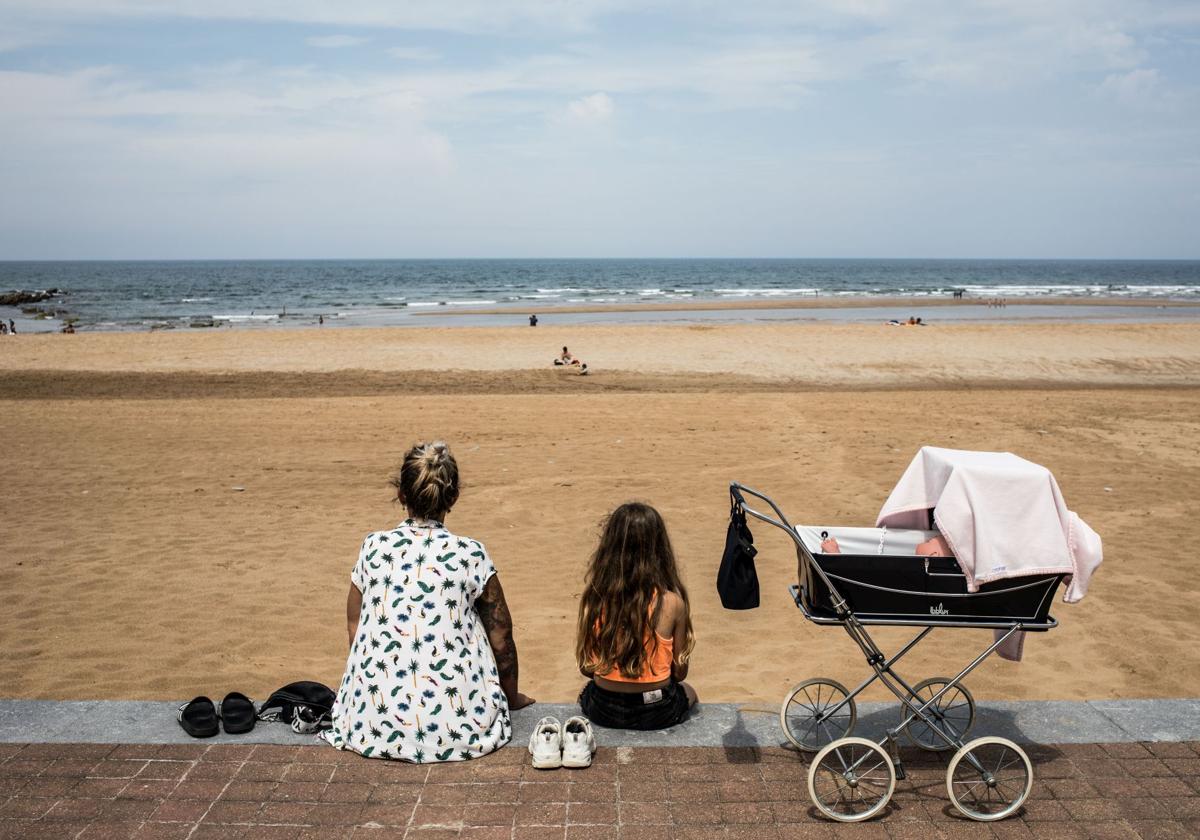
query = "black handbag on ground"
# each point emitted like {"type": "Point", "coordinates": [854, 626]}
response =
{"type": "Point", "coordinates": [305, 706]}
{"type": "Point", "coordinates": [737, 580]}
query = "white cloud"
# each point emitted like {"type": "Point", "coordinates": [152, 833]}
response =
{"type": "Point", "coordinates": [414, 53]}
{"type": "Point", "coordinates": [334, 42]}
{"type": "Point", "coordinates": [865, 105]}
{"type": "Point", "coordinates": [1137, 87]}
{"type": "Point", "coordinates": [458, 16]}
{"type": "Point", "coordinates": [594, 108]}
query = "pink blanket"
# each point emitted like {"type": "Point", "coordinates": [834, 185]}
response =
{"type": "Point", "coordinates": [1003, 517]}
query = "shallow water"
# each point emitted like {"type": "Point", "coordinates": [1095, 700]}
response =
{"type": "Point", "coordinates": [141, 295]}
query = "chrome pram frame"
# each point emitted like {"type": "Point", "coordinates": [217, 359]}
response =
{"type": "Point", "coordinates": [852, 779]}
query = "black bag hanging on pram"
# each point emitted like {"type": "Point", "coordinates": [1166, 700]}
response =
{"type": "Point", "coordinates": [737, 579]}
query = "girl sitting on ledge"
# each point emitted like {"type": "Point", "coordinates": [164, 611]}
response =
{"type": "Point", "coordinates": [634, 635]}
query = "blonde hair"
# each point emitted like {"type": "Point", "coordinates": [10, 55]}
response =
{"type": "Point", "coordinates": [427, 482]}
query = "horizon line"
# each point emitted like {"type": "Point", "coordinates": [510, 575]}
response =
{"type": "Point", "coordinates": [4, 260]}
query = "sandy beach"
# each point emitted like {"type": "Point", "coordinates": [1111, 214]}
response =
{"type": "Point", "coordinates": [182, 509]}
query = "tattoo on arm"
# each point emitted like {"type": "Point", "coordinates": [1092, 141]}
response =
{"type": "Point", "coordinates": [493, 612]}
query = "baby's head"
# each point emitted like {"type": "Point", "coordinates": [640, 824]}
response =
{"type": "Point", "coordinates": [427, 483]}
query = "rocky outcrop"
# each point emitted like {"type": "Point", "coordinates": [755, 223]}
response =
{"type": "Point", "coordinates": [20, 296]}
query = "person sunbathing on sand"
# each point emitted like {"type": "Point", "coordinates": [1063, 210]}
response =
{"type": "Point", "coordinates": [566, 359]}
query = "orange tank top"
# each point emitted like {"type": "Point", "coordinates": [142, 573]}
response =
{"type": "Point", "coordinates": [660, 652]}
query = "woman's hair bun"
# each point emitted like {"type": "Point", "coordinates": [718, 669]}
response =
{"type": "Point", "coordinates": [427, 482]}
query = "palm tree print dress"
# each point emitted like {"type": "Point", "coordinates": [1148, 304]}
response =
{"type": "Point", "coordinates": [421, 683]}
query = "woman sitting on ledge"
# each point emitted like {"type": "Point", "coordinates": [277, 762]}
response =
{"type": "Point", "coordinates": [432, 672]}
{"type": "Point", "coordinates": [635, 630]}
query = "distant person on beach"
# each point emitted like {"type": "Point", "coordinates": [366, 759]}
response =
{"type": "Point", "coordinates": [3, 328]}
{"type": "Point", "coordinates": [533, 320]}
{"type": "Point", "coordinates": [12, 327]}
{"type": "Point", "coordinates": [634, 634]}
{"type": "Point", "coordinates": [432, 670]}
{"type": "Point", "coordinates": [69, 329]}
{"type": "Point", "coordinates": [566, 359]}
{"type": "Point", "coordinates": [320, 320]}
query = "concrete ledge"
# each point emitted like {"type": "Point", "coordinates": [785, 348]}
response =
{"type": "Point", "coordinates": [711, 724]}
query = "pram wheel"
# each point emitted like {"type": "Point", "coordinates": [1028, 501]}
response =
{"type": "Point", "coordinates": [851, 780]}
{"type": "Point", "coordinates": [811, 717]}
{"type": "Point", "coordinates": [953, 715]}
{"type": "Point", "coordinates": [989, 779]}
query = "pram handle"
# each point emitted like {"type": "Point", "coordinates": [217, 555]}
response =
{"type": "Point", "coordinates": [736, 490]}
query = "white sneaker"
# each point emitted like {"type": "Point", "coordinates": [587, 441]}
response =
{"type": "Point", "coordinates": [545, 744]}
{"type": "Point", "coordinates": [579, 743]}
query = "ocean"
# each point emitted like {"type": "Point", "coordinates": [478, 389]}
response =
{"type": "Point", "coordinates": [140, 295]}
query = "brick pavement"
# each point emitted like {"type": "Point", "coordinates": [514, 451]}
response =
{"type": "Point", "coordinates": [205, 791]}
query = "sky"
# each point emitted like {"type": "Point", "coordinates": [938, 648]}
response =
{"type": "Point", "coordinates": [140, 129]}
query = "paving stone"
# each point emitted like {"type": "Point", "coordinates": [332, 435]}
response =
{"type": "Point", "coordinates": [205, 790]}
{"type": "Point", "coordinates": [213, 770]}
{"type": "Point", "coordinates": [288, 791]}
{"type": "Point", "coordinates": [539, 833]}
{"type": "Point", "coordinates": [290, 813]}
{"type": "Point", "coordinates": [147, 789]}
{"type": "Point", "coordinates": [1162, 830]}
{"type": "Point", "coordinates": [489, 814]}
{"type": "Point", "coordinates": [164, 831]}
{"type": "Point", "coordinates": [357, 792]}
{"type": "Point", "coordinates": [388, 815]}
{"type": "Point", "coordinates": [486, 832]}
{"type": "Point", "coordinates": [1093, 810]}
{"type": "Point", "coordinates": [746, 812]}
{"type": "Point", "coordinates": [261, 771]}
{"type": "Point", "coordinates": [1110, 830]}
{"type": "Point", "coordinates": [166, 769]}
{"type": "Point", "coordinates": [26, 808]}
{"type": "Point", "coordinates": [541, 813]}
{"type": "Point", "coordinates": [180, 810]}
{"type": "Point", "coordinates": [121, 830]}
{"type": "Point", "coordinates": [394, 794]}
{"type": "Point", "coordinates": [232, 812]}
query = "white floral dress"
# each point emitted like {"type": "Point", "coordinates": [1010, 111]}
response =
{"type": "Point", "coordinates": [421, 683]}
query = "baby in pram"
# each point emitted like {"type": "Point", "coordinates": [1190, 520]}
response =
{"type": "Point", "coordinates": [935, 546]}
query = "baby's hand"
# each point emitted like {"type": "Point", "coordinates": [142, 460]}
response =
{"type": "Point", "coordinates": [829, 545]}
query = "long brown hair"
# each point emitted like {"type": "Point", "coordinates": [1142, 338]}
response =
{"type": "Point", "coordinates": [633, 561]}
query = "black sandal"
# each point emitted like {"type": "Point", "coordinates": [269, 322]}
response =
{"type": "Point", "coordinates": [198, 717]}
{"type": "Point", "coordinates": [237, 713]}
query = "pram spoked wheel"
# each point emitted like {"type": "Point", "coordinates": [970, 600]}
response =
{"type": "Point", "coordinates": [953, 714]}
{"type": "Point", "coordinates": [989, 779]}
{"type": "Point", "coordinates": [809, 716]}
{"type": "Point", "coordinates": [851, 780]}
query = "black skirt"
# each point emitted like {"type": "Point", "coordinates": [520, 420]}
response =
{"type": "Point", "coordinates": [643, 711]}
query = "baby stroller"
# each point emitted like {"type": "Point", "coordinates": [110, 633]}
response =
{"type": "Point", "coordinates": [878, 580]}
